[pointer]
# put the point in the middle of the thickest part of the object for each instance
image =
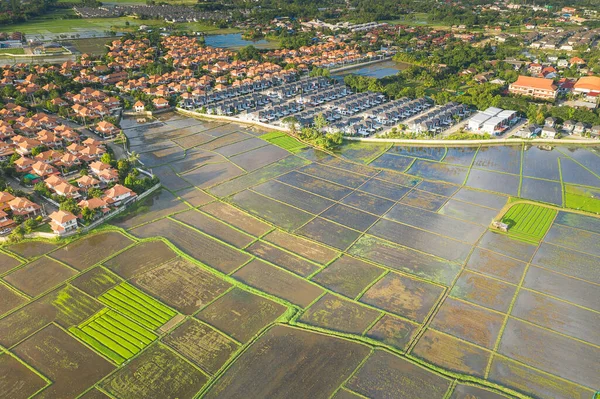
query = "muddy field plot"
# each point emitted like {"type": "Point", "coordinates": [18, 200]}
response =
{"type": "Point", "coordinates": [241, 146]}
{"type": "Point", "coordinates": [169, 179]}
{"type": "Point", "coordinates": [88, 251]}
{"type": "Point", "coordinates": [384, 189]}
{"type": "Point", "coordinates": [214, 228]}
{"type": "Point", "coordinates": [348, 276]}
{"type": "Point", "coordinates": [140, 258]}
{"type": "Point", "coordinates": [297, 198]}
{"type": "Point", "coordinates": [368, 203]}
{"type": "Point", "coordinates": [211, 174]}
{"type": "Point", "coordinates": [439, 171]}
{"type": "Point", "coordinates": [301, 246]}
{"type": "Point", "coordinates": [566, 261]}
{"type": "Point", "coordinates": [289, 363]}
{"type": "Point", "coordinates": [10, 299]}
{"type": "Point", "coordinates": [225, 140]}
{"type": "Point", "coordinates": [39, 276]}
{"type": "Point", "coordinates": [424, 200]}
{"type": "Point", "coordinates": [282, 258]}
{"type": "Point", "coordinates": [379, 378]}
{"type": "Point", "coordinates": [96, 281]}
{"type": "Point", "coordinates": [481, 198]}
{"type": "Point", "coordinates": [69, 364]}
{"type": "Point", "coordinates": [241, 314]}
{"type": "Point", "coordinates": [397, 163]}
{"type": "Point", "coordinates": [469, 392]}
{"type": "Point", "coordinates": [403, 296]}
{"type": "Point", "coordinates": [393, 331]}
{"type": "Point", "coordinates": [578, 221]}
{"type": "Point", "coordinates": [259, 157]}
{"type": "Point", "coordinates": [484, 291]}
{"type": "Point", "coordinates": [237, 218]}
{"type": "Point", "coordinates": [542, 190]}
{"type": "Point", "coordinates": [505, 159]}
{"type": "Point", "coordinates": [334, 175]}
{"type": "Point", "coordinates": [329, 233]}
{"type": "Point", "coordinates": [468, 212]}
{"type": "Point", "coordinates": [338, 314]}
{"type": "Point", "coordinates": [504, 245]}
{"type": "Point", "coordinates": [349, 217]}
{"type": "Point", "coordinates": [578, 240]}
{"type": "Point", "coordinates": [315, 185]}
{"type": "Point", "coordinates": [17, 381]}
{"type": "Point", "coordinates": [460, 155]}
{"type": "Point", "coordinates": [494, 181]}
{"type": "Point", "coordinates": [496, 265]}
{"type": "Point", "coordinates": [194, 159]}
{"type": "Point", "coordinates": [31, 249]}
{"type": "Point", "coordinates": [157, 205]}
{"type": "Point", "coordinates": [438, 188]}
{"type": "Point", "coordinates": [202, 345]}
{"type": "Point", "coordinates": [157, 373]}
{"type": "Point", "coordinates": [7, 263]}
{"type": "Point", "coordinates": [182, 285]}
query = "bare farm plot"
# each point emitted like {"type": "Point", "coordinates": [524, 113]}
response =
{"type": "Point", "coordinates": [10, 299]}
{"type": "Point", "coordinates": [283, 258]}
{"type": "Point", "coordinates": [90, 250]}
{"type": "Point", "coordinates": [233, 216]}
{"type": "Point", "coordinates": [484, 291]}
{"type": "Point", "coordinates": [393, 331]}
{"type": "Point", "coordinates": [7, 263]}
{"type": "Point", "coordinates": [17, 380]}
{"type": "Point", "coordinates": [348, 276]}
{"type": "Point", "coordinates": [39, 276]}
{"type": "Point", "coordinates": [96, 281]}
{"type": "Point", "coordinates": [140, 258]}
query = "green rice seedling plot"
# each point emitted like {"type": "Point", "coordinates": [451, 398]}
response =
{"type": "Point", "coordinates": [7, 263]}
{"type": "Point", "coordinates": [451, 354]}
{"type": "Point", "coordinates": [241, 146]}
{"type": "Point", "coordinates": [113, 335]}
{"type": "Point", "coordinates": [435, 223]}
{"type": "Point", "coordinates": [378, 379]}
{"type": "Point", "coordinates": [337, 314]}
{"type": "Point", "coordinates": [282, 258]}
{"type": "Point", "coordinates": [483, 291]}
{"type": "Point", "coordinates": [568, 262]}
{"type": "Point", "coordinates": [294, 197]}
{"type": "Point", "coordinates": [169, 179]}
{"type": "Point", "coordinates": [528, 222]}
{"type": "Point", "coordinates": [316, 186]}
{"type": "Point", "coordinates": [182, 285]}
{"type": "Point", "coordinates": [443, 247]}
{"type": "Point", "coordinates": [138, 306]}
{"type": "Point", "coordinates": [460, 155]}
{"type": "Point", "coordinates": [39, 276]}
{"type": "Point", "coordinates": [348, 276]}
{"type": "Point", "coordinates": [504, 245]}
{"type": "Point", "coordinates": [259, 157]}
{"type": "Point", "coordinates": [542, 191]}
{"type": "Point", "coordinates": [88, 251]}
{"type": "Point", "coordinates": [329, 233]}
{"type": "Point", "coordinates": [368, 203]}
{"type": "Point", "coordinates": [587, 157]}
{"type": "Point", "coordinates": [353, 167]}
{"type": "Point", "coordinates": [156, 373]}
{"type": "Point", "coordinates": [350, 217]}
{"type": "Point", "coordinates": [307, 249]}
{"type": "Point", "coordinates": [10, 299]}
{"type": "Point", "coordinates": [532, 382]}
{"type": "Point", "coordinates": [29, 250]}
{"type": "Point", "coordinates": [403, 296]}
{"type": "Point", "coordinates": [18, 381]}
{"type": "Point", "coordinates": [481, 198]}
{"type": "Point", "coordinates": [96, 281]}
{"type": "Point", "coordinates": [70, 365]}
{"type": "Point", "coordinates": [574, 173]}
{"type": "Point", "coordinates": [140, 258]}
{"type": "Point", "coordinates": [194, 159]}
{"type": "Point", "coordinates": [157, 205]}
{"type": "Point", "coordinates": [430, 153]}
{"type": "Point", "coordinates": [199, 246]}
{"type": "Point", "coordinates": [579, 221]}
{"type": "Point", "coordinates": [224, 140]}
{"type": "Point", "coordinates": [384, 189]}
{"type": "Point", "coordinates": [214, 228]}
{"type": "Point", "coordinates": [278, 168]}
{"type": "Point", "coordinates": [462, 391]}
{"type": "Point", "coordinates": [503, 158]}
{"type": "Point", "coordinates": [578, 240]}
{"type": "Point", "coordinates": [193, 140]}
{"type": "Point", "coordinates": [557, 316]}
{"type": "Point", "coordinates": [275, 212]}
{"type": "Point", "coordinates": [241, 314]}
{"type": "Point", "coordinates": [393, 331]}
{"type": "Point", "coordinates": [438, 188]}
{"type": "Point", "coordinates": [338, 176]}
{"type": "Point", "coordinates": [580, 198]}
{"type": "Point", "coordinates": [424, 200]}
{"type": "Point", "coordinates": [393, 162]}
{"type": "Point", "coordinates": [162, 157]}
{"type": "Point", "coordinates": [551, 352]}
{"type": "Point", "coordinates": [194, 196]}
{"type": "Point", "coordinates": [494, 181]}
{"type": "Point", "coordinates": [405, 259]}
{"type": "Point", "coordinates": [284, 141]}
{"type": "Point", "coordinates": [541, 163]}
{"type": "Point", "coordinates": [212, 174]}
{"type": "Point", "coordinates": [439, 171]}
{"type": "Point", "coordinates": [279, 283]}
{"type": "Point", "coordinates": [468, 322]}
{"type": "Point", "coordinates": [362, 152]}
{"type": "Point", "coordinates": [496, 265]}
{"type": "Point", "coordinates": [290, 363]}
{"type": "Point", "coordinates": [233, 216]}
{"type": "Point", "coordinates": [468, 212]}
{"type": "Point", "coordinates": [202, 345]}
{"type": "Point", "coordinates": [569, 289]}
{"type": "Point", "coordinates": [397, 178]}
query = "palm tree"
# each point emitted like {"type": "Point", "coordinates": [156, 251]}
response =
{"type": "Point", "coordinates": [134, 157]}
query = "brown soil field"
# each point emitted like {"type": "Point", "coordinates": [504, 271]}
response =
{"type": "Point", "coordinates": [315, 185]}
{"type": "Point", "coordinates": [193, 140]}
{"type": "Point", "coordinates": [94, 394]}
{"type": "Point", "coordinates": [302, 247]}
{"type": "Point", "coordinates": [566, 261]}
{"type": "Point", "coordinates": [345, 394]}
{"type": "Point", "coordinates": [282, 258]}
{"type": "Point", "coordinates": [469, 322]}
{"type": "Point", "coordinates": [156, 373]}
{"type": "Point", "coordinates": [182, 285]}
{"type": "Point", "coordinates": [439, 188]}
{"type": "Point", "coordinates": [469, 212]}
{"type": "Point", "coordinates": [194, 159]}
{"type": "Point", "coordinates": [368, 203]}
{"type": "Point", "coordinates": [16, 380]}
{"type": "Point", "coordinates": [212, 174]}
{"type": "Point", "coordinates": [90, 250]}
{"type": "Point", "coordinates": [385, 376]}
{"type": "Point", "coordinates": [384, 189]}
{"type": "Point", "coordinates": [7, 263]}
{"type": "Point", "coordinates": [462, 391]}
{"type": "Point", "coordinates": [393, 331]}
{"type": "Point", "coordinates": [214, 228]}
{"type": "Point", "coordinates": [486, 199]}
{"type": "Point", "coordinates": [241, 146]}
{"type": "Point", "coordinates": [71, 366]}
{"type": "Point", "coordinates": [348, 276]}
{"type": "Point", "coordinates": [31, 249]}
{"type": "Point", "coordinates": [10, 299]}
{"type": "Point", "coordinates": [169, 179]}
{"type": "Point", "coordinates": [337, 314]}
{"type": "Point", "coordinates": [157, 205]}
{"type": "Point", "coordinates": [201, 344]}
{"type": "Point", "coordinates": [140, 258]}
{"type": "Point", "coordinates": [496, 265]}
{"type": "Point", "coordinates": [424, 200]}
{"type": "Point", "coordinates": [39, 276]}
{"type": "Point", "coordinates": [237, 218]}
{"type": "Point", "coordinates": [348, 179]}
{"type": "Point", "coordinates": [292, 196]}
{"type": "Point", "coordinates": [575, 239]}
{"type": "Point", "coordinates": [194, 197]}
{"type": "Point", "coordinates": [349, 217]}
{"type": "Point", "coordinates": [397, 178]}
{"type": "Point", "coordinates": [96, 281]}
{"type": "Point", "coordinates": [267, 278]}
{"type": "Point", "coordinates": [329, 233]}
{"type": "Point", "coordinates": [483, 291]}
{"type": "Point", "coordinates": [403, 296]}
{"type": "Point", "coordinates": [505, 245]}
{"type": "Point", "coordinates": [259, 157]}
{"type": "Point", "coordinates": [225, 140]}
{"type": "Point", "coordinates": [451, 354]}
{"type": "Point", "coordinates": [289, 363]}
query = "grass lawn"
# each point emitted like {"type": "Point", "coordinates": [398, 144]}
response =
{"type": "Point", "coordinates": [94, 46]}
{"type": "Point", "coordinates": [12, 51]}
{"type": "Point", "coordinates": [584, 199]}
{"type": "Point", "coordinates": [528, 222]}
{"type": "Point", "coordinates": [44, 228]}
{"type": "Point", "coordinates": [284, 141]}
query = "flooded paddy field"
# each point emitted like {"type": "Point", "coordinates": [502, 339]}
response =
{"type": "Point", "coordinates": [264, 273]}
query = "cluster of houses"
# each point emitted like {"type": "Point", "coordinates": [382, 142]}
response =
{"type": "Point", "coordinates": [440, 118]}
{"type": "Point", "coordinates": [493, 121]}
{"type": "Point", "coordinates": [587, 88]}
{"type": "Point", "coordinates": [324, 55]}
{"type": "Point", "coordinates": [166, 12]}
{"type": "Point", "coordinates": [566, 40]}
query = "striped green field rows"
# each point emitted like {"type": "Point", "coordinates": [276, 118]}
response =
{"type": "Point", "coordinates": [284, 141]}
{"type": "Point", "coordinates": [113, 335]}
{"type": "Point", "coordinates": [138, 306]}
{"type": "Point", "coordinates": [528, 222]}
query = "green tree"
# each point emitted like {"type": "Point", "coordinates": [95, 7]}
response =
{"type": "Point", "coordinates": [70, 205]}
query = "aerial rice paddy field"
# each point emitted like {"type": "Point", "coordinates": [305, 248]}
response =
{"type": "Point", "coordinates": [265, 270]}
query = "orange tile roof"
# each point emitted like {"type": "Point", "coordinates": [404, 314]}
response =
{"type": "Point", "coordinates": [536, 83]}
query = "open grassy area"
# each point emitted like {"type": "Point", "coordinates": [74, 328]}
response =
{"type": "Point", "coordinates": [284, 141]}
{"type": "Point", "coordinates": [94, 46]}
{"type": "Point", "coordinates": [12, 51]}
{"type": "Point", "coordinates": [528, 222]}
{"type": "Point", "coordinates": [584, 199]}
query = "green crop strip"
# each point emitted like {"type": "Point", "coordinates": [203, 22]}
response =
{"type": "Point", "coordinates": [284, 141]}
{"type": "Point", "coordinates": [528, 222]}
